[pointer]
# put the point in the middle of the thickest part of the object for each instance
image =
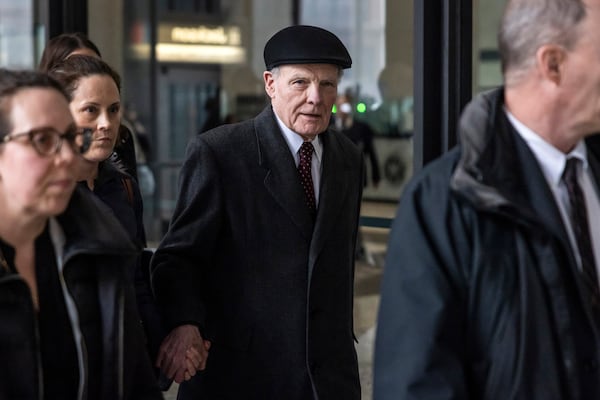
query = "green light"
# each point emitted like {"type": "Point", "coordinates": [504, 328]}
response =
{"type": "Point", "coordinates": [334, 109]}
{"type": "Point", "coordinates": [361, 107]}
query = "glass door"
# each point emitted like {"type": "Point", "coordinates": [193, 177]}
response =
{"type": "Point", "coordinates": [188, 100]}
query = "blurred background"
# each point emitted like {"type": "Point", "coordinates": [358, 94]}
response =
{"type": "Point", "coordinates": [188, 65]}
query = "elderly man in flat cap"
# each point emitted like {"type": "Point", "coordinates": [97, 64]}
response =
{"type": "Point", "coordinates": [255, 275]}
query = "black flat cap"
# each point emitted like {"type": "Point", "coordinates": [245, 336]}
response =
{"type": "Point", "coordinates": [303, 44]}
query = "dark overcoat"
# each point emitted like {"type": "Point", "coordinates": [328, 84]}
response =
{"type": "Point", "coordinates": [243, 259]}
{"type": "Point", "coordinates": [97, 253]}
{"type": "Point", "coordinates": [481, 295]}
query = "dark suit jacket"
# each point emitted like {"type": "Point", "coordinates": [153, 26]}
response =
{"type": "Point", "coordinates": [244, 260]}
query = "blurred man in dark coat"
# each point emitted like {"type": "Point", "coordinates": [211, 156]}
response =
{"type": "Point", "coordinates": [491, 288]}
{"type": "Point", "coordinates": [255, 275]}
{"type": "Point", "coordinates": [359, 132]}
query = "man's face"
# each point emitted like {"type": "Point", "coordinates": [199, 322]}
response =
{"type": "Point", "coordinates": [582, 75]}
{"type": "Point", "coordinates": [302, 96]}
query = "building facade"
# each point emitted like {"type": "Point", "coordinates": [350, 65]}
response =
{"type": "Point", "coordinates": [190, 64]}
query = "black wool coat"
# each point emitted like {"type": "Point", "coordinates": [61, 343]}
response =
{"type": "Point", "coordinates": [243, 259]}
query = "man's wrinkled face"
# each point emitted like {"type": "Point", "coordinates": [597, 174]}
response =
{"type": "Point", "coordinates": [302, 96]}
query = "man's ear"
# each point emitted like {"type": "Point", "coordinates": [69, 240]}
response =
{"type": "Point", "coordinates": [269, 83]}
{"type": "Point", "coordinates": [550, 61]}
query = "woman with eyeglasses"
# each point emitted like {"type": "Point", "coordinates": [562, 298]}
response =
{"type": "Point", "coordinates": [66, 307]}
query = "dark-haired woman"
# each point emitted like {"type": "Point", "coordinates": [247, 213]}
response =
{"type": "Point", "coordinates": [93, 88]}
{"type": "Point", "coordinates": [65, 45]}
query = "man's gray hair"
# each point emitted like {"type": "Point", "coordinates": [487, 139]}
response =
{"type": "Point", "coordinates": [529, 24]}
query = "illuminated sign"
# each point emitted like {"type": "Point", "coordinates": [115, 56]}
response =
{"type": "Point", "coordinates": [196, 44]}
{"type": "Point", "coordinates": [200, 34]}
{"type": "Point", "coordinates": [205, 35]}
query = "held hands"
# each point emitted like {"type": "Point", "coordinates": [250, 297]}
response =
{"type": "Point", "coordinates": [182, 353]}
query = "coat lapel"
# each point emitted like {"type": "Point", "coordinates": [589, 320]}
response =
{"type": "Point", "coordinates": [283, 183]}
{"type": "Point", "coordinates": [335, 183]}
{"type": "Point", "coordinates": [281, 175]}
{"type": "Point", "coordinates": [333, 191]}
{"type": "Point", "coordinates": [538, 192]}
{"type": "Point", "coordinates": [593, 146]}
{"type": "Point", "coordinates": [549, 215]}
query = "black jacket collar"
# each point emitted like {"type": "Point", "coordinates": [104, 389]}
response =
{"type": "Point", "coordinates": [497, 172]}
{"type": "Point", "coordinates": [86, 228]}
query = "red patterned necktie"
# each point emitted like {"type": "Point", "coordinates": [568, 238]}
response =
{"type": "Point", "coordinates": [304, 169]}
{"type": "Point", "coordinates": [581, 230]}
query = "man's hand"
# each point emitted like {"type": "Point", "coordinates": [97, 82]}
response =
{"type": "Point", "coordinates": [182, 353]}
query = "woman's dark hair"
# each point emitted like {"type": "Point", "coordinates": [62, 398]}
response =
{"type": "Point", "coordinates": [60, 47]}
{"type": "Point", "coordinates": [70, 71]}
{"type": "Point", "coordinates": [13, 81]}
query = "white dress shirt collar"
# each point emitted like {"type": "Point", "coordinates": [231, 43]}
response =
{"type": "Point", "coordinates": [294, 141]}
{"type": "Point", "coordinates": [551, 160]}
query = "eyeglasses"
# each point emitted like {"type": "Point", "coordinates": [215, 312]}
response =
{"type": "Point", "coordinates": [48, 141]}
